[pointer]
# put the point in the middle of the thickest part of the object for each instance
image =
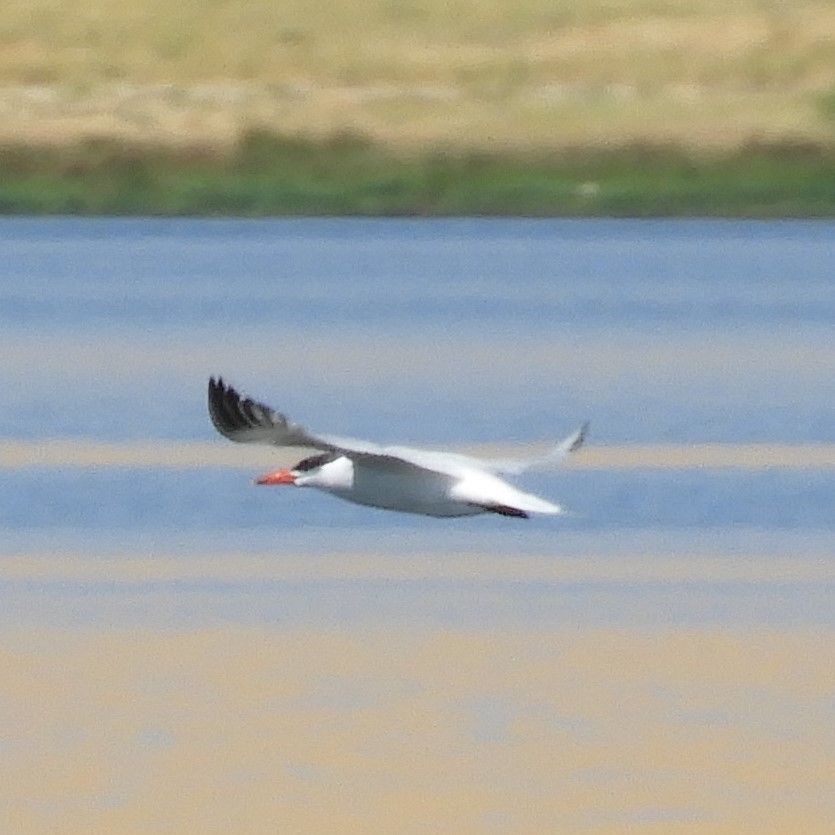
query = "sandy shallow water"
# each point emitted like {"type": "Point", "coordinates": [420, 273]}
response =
{"type": "Point", "coordinates": [181, 652]}
{"type": "Point", "coordinates": [73, 453]}
{"type": "Point", "coordinates": [240, 730]}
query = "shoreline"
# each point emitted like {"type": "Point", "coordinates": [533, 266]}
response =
{"type": "Point", "coordinates": [267, 174]}
{"type": "Point", "coordinates": [593, 109]}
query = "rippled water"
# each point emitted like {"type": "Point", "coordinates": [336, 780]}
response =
{"type": "Point", "coordinates": [427, 332]}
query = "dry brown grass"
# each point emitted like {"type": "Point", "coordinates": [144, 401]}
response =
{"type": "Point", "coordinates": [412, 72]}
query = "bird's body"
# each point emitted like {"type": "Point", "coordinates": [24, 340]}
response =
{"type": "Point", "coordinates": [444, 489]}
{"type": "Point", "coordinates": [431, 483]}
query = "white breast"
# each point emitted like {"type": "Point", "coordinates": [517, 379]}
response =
{"type": "Point", "coordinates": [411, 490]}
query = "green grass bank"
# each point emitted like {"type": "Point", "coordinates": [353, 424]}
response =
{"type": "Point", "coordinates": [268, 175]}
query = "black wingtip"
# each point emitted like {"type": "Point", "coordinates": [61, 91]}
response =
{"type": "Point", "coordinates": [217, 390]}
{"type": "Point", "coordinates": [223, 406]}
{"type": "Point", "coordinates": [582, 435]}
{"type": "Point", "coordinates": [231, 413]}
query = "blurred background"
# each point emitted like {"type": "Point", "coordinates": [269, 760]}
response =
{"type": "Point", "coordinates": [184, 652]}
{"type": "Point", "coordinates": [418, 106]}
{"type": "Point", "coordinates": [417, 73]}
{"type": "Point", "coordinates": [443, 331]}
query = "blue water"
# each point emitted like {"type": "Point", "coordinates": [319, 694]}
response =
{"type": "Point", "coordinates": [511, 275]}
{"type": "Point", "coordinates": [192, 502]}
{"type": "Point", "coordinates": [454, 331]}
{"type": "Point", "coordinates": [430, 331]}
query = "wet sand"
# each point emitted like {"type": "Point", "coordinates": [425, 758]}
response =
{"type": "Point", "coordinates": [235, 730]}
{"type": "Point", "coordinates": [405, 721]}
{"type": "Point", "coordinates": [278, 566]}
{"type": "Point", "coordinates": [69, 453]}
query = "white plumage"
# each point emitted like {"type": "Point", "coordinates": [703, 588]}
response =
{"type": "Point", "coordinates": [393, 477]}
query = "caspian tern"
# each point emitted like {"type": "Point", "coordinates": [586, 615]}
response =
{"type": "Point", "coordinates": [401, 478]}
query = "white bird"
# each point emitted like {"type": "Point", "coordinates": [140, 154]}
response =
{"type": "Point", "coordinates": [392, 477]}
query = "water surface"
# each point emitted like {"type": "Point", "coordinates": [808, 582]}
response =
{"type": "Point", "coordinates": [431, 332]}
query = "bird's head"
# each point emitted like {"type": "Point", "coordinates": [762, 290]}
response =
{"type": "Point", "coordinates": [327, 471]}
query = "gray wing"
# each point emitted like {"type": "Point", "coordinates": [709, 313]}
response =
{"type": "Point", "coordinates": [544, 462]}
{"type": "Point", "coordinates": [246, 421]}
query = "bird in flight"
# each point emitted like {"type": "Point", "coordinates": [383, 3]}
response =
{"type": "Point", "coordinates": [432, 483]}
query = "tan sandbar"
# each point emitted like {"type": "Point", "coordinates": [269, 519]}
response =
{"type": "Point", "coordinates": [16, 454]}
{"type": "Point", "coordinates": [251, 731]}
